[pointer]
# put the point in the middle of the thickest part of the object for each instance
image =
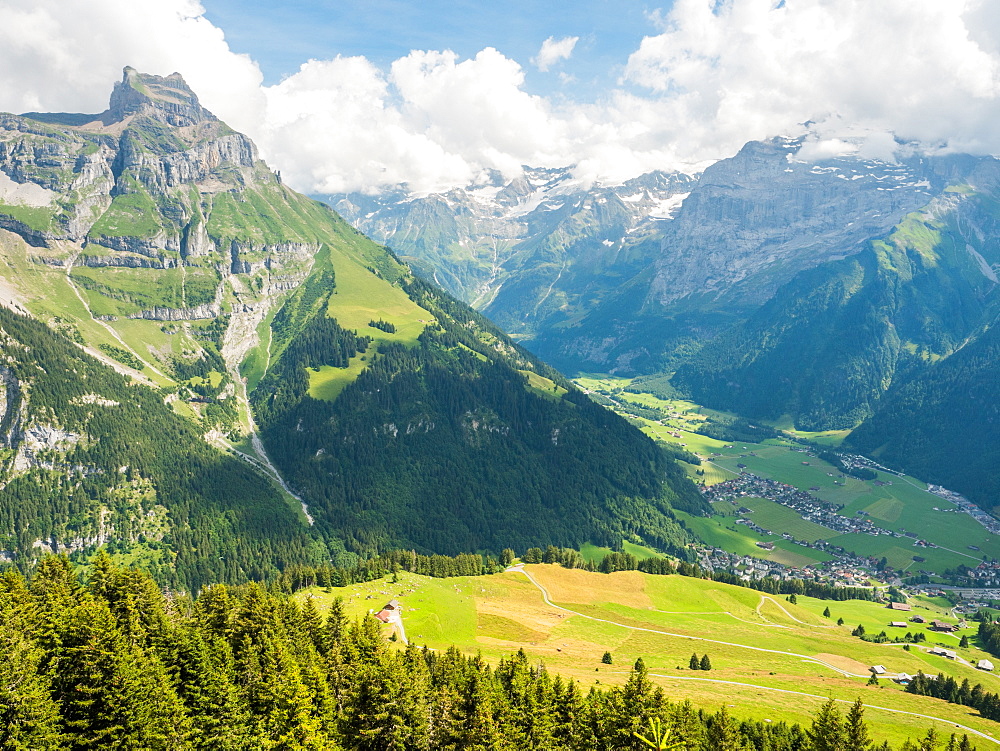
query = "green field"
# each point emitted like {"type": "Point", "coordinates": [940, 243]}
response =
{"type": "Point", "coordinates": [361, 297]}
{"type": "Point", "coordinates": [899, 504]}
{"type": "Point", "coordinates": [780, 519]}
{"type": "Point", "coordinates": [759, 645]}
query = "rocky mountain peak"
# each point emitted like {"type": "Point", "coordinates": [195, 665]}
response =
{"type": "Point", "coordinates": [166, 98]}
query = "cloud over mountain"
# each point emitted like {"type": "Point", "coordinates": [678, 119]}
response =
{"type": "Point", "coordinates": [714, 76]}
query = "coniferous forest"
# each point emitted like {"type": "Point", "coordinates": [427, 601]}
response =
{"type": "Point", "coordinates": [443, 446]}
{"type": "Point", "coordinates": [129, 471]}
{"type": "Point", "coordinates": [117, 663]}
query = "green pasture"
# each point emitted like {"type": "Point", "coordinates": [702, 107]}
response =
{"type": "Point", "coordinates": [541, 385]}
{"type": "Point", "coordinates": [663, 619]}
{"type": "Point", "coordinates": [722, 531]}
{"type": "Point", "coordinates": [599, 382]}
{"type": "Point", "coordinates": [902, 506]}
{"type": "Point", "coordinates": [361, 296]}
{"type": "Point", "coordinates": [326, 382]}
{"type": "Point", "coordinates": [781, 519]}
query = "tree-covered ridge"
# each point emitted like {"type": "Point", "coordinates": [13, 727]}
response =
{"type": "Point", "coordinates": [942, 422]}
{"type": "Point", "coordinates": [120, 466]}
{"type": "Point", "coordinates": [116, 663]}
{"type": "Point", "coordinates": [444, 445]}
{"type": "Point", "coordinates": [828, 345]}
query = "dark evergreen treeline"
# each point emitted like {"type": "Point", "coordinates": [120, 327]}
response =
{"type": "Point", "coordinates": [442, 447]}
{"type": "Point", "coordinates": [949, 689]}
{"type": "Point", "coordinates": [116, 663]}
{"type": "Point", "coordinates": [133, 469]}
{"type": "Point", "coordinates": [818, 590]}
{"type": "Point", "coordinates": [298, 577]}
{"type": "Point", "coordinates": [320, 342]}
{"type": "Point", "coordinates": [736, 430]}
{"type": "Point", "coordinates": [385, 326]}
{"type": "Point", "coordinates": [989, 636]}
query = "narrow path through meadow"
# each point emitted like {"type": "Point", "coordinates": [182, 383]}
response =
{"type": "Point", "coordinates": [806, 658]}
{"type": "Point", "coordinates": [964, 728]}
{"type": "Point", "coordinates": [548, 601]}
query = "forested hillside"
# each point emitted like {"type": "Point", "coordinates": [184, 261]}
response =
{"type": "Point", "coordinates": [361, 408]}
{"type": "Point", "coordinates": [90, 458]}
{"type": "Point", "coordinates": [827, 346]}
{"type": "Point", "coordinates": [458, 441]}
{"type": "Point", "coordinates": [943, 423]}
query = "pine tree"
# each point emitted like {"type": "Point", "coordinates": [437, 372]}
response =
{"type": "Point", "coordinates": [705, 664]}
{"type": "Point", "coordinates": [826, 612]}
{"type": "Point", "coordinates": [694, 663]}
{"type": "Point", "coordinates": [606, 659]}
{"type": "Point", "coordinates": [29, 718]}
{"type": "Point", "coordinates": [827, 732]}
{"type": "Point", "coordinates": [723, 733]}
{"type": "Point", "coordinates": [856, 730]}
{"type": "Point", "coordinates": [964, 643]}
{"type": "Point", "coordinates": [929, 742]}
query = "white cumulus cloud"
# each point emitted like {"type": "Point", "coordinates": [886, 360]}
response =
{"type": "Point", "coordinates": [553, 50]}
{"type": "Point", "coordinates": [715, 74]}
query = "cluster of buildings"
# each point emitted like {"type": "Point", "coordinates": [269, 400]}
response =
{"type": "Point", "coordinates": [847, 571]}
{"type": "Point", "coordinates": [808, 506]}
{"type": "Point", "coordinates": [967, 506]}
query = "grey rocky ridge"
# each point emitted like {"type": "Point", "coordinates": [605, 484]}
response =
{"type": "Point", "coordinates": [297, 393]}
{"type": "Point", "coordinates": [531, 251]}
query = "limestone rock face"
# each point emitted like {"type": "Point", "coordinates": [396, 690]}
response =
{"type": "Point", "coordinates": [156, 182]}
{"type": "Point", "coordinates": [754, 221]}
{"type": "Point", "coordinates": [103, 177]}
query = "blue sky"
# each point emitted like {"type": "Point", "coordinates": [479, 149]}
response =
{"type": "Point", "coordinates": [369, 94]}
{"type": "Point", "coordinates": [281, 36]}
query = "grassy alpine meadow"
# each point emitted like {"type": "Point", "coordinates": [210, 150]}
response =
{"type": "Point", "coordinates": [771, 659]}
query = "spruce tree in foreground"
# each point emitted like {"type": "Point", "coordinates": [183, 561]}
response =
{"type": "Point", "coordinates": [855, 730]}
{"type": "Point", "coordinates": [694, 663]}
{"type": "Point", "coordinates": [827, 732]}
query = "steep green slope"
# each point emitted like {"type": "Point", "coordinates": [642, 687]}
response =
{"type": "Point", "coordinates": [943, 422]}
{"type": "Point", "coordinates": [89, 458]}
{"type": "Point", "coordinates": [390, 414]}
{"type": "Point", "coordinates": [829, 344]}
{"type": "Point", "coordinates": [455, 439]}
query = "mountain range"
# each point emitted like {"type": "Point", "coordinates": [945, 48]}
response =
{"type": "Point", "coordinates": [218, 377]}
{"type": "Point", "coordinates": [815, 293]}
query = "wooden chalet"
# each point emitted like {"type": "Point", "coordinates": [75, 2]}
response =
{"type": "Point", "coordinates": [948, 628]}
{"type": "Point", "coordinates": [899, 606]}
